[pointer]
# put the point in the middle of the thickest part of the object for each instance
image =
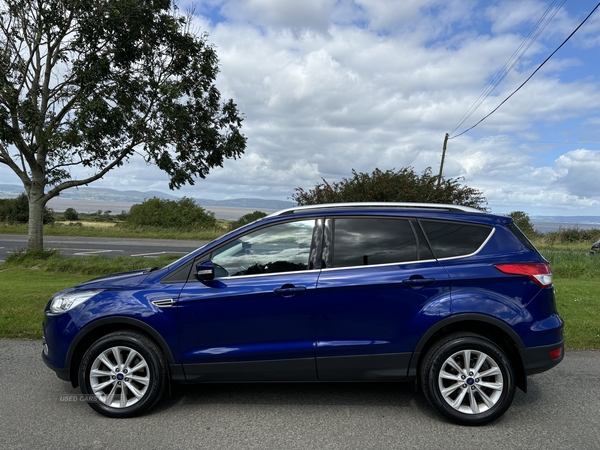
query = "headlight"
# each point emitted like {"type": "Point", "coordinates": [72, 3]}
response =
{"type": "Point", "coordinates": [64, 302]}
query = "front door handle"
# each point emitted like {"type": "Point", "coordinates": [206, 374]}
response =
{"type": "Point", "coordinates": [289, 290]}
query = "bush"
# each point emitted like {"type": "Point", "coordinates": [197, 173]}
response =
{"type": "Point", "coordinates": [403, 185]}
{"type": "Point", "coordinates": [524, 223]}
{"type": "Point", "coordinates": [16, 211]}
{"type": "Point", "coordinates": [246, 219]}
{"type": "Point", "coordinates": [572, 235]}
{"type": "Point", "coordinates": [71, 214]}
{"type": "Point", "coordinates": [181, 214]}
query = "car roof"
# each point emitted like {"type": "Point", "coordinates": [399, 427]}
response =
{"type": "Point", "coordinates": [379, 205]}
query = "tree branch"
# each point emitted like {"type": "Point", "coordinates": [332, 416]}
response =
{"type": "Point", "coordinates": [73, 183]}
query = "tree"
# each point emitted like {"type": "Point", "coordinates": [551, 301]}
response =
{"type": "Point", "coordinates": [246, 219]}
{"type": "Point", "coordinates": [403, 185]}
{"type": "Point", "coordinates": [88, 85]}
{"type": "Point", "coordinates": [71, 214]}
{"type": "Point", "coordinates": [524, 223]}
{"type": "Point", "coordinates": [157, 212]}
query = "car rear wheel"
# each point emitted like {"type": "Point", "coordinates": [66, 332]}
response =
{"type": "Point", "coordinates": [468, 378]}
{"type": "Point", "coordinates": [123, 374]}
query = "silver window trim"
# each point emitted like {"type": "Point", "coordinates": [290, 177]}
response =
{"type": "Point", "coordinates": [448, 258]}
{"type": "Point", "coordinates": [380, 265]}
{"type": "Point", "coordinates": [268, 274]}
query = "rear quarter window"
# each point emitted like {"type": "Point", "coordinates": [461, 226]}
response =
{"type": "Point", "coordinates": [521, 236]}
{"type": "Point", "coordinates": [454, 239]}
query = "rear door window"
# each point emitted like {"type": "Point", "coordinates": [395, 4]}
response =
{"type": "Point", "coordinates": [453, 239]}
{"type": "Point", "coordinates": [370, 241]}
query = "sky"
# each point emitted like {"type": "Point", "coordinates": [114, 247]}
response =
{"type": "Point", "coordinates": [327, 86]}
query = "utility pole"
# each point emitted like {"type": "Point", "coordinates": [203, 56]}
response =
{"type": "Point", "coordinates": [442, 163]}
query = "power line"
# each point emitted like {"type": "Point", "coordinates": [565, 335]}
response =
{"type": "Point", "coordinates": [535, 32]}
{"type": "Point", "coordinates": [530, 76]}
{"type": "Point", "coordinates": [520, 141]}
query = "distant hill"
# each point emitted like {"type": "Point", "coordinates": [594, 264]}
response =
{"type": "Point", "coordinates": [112, 195]}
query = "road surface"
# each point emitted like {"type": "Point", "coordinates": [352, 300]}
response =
{"type": "Point", "coordinates": [560, 411]}
{"type": "Point", "coordinates": [82, 246]}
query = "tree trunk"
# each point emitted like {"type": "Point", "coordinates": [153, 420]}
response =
{"type": "Point", "coordinates": [37, 202]}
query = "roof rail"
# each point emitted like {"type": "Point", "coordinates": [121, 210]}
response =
{"type": "Point", "coordinates": [408, 205]}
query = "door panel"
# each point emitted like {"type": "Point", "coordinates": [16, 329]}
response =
{"type": "Point", "coordinates": [381, 291]}
{"type": "Point", "coordinates": [371, 311]}
{"type": "Point", "coordinates": [257, 319]}
{"type": "Point", "coordinates": [245, 319]}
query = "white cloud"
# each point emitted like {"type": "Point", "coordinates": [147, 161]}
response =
{"type": "Point", "coordinates": [298, 15]}
{"type": "Point", "coordinates": [580, 169]}
{"type": "Point", "coordinates": [328, 86]}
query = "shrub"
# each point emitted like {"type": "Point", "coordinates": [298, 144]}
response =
{"type": "Point", "coordinates": [524, 223]}
{"type": "Point", "coordinates": [572, 235]}
{"type": "Point", "coordinates": [246, 219]}
{"type": "Point", "coordinates": [403, 185]}
{"type": "Point", "coordinates": [71, 214]}
{"type": "Point", "coordinates": [181, 214]}
{"type": "Point", "coordinates": [16, 210]}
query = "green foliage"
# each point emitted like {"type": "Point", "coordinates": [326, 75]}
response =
{"type": "Point", "coordinates": [102, 82]}
{"type": "Point", "coordinates": [16, 211]}
{"type": "Point", "coordinates": [246, 219]}
{"type": "Point", "coordinates": [571, 235]}
{"type": "Point", "coordinates": [524, 223]}
{"type": "Point", "coordinates": [573, 264]}
{"type": "Point", "coordinates": [29, 258]}
{"type": "Point", "coordinates": [71, 214]}
{"type": "Point", "coordinates": [53, 261]}
{"type": "Point", "coordinates": [181, 214]}
{"type": "Point", "coordinates": [404, 185]}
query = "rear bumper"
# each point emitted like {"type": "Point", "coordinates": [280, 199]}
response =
{"type": "Point", "coordinates": [539, 359]}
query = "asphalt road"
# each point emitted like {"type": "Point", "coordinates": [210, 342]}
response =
{"type": "Point", "coordinates": [560, 411]}
{"type": "Point", "coordinates": [82, 246]}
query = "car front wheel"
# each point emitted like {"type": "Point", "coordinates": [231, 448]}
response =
{"type": "Point", "coordinates": [468, 379]}
{"type": "Point", "coordinates": [123, 374]}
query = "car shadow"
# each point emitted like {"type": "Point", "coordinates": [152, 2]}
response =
{"type": "Point", "coordinates": [331, 393]}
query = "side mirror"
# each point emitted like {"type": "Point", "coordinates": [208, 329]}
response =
{"type": "Point", "coordinates": [205, 271]}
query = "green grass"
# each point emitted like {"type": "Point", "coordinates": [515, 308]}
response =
{"type": "Point", "coordinates": [52, 261]}
{"type": "Point", "coordinates": [28, 280]}
{"type": "Point", "coordinates": [25, 292]}
{"type": "Point", "coordinates": [573, 264]}
{"type": "Point", "coordinates": [578, 303]}
{"type": "Point", "coordinates": [62, 229]}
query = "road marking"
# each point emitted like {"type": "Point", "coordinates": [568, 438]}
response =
{"type": "Point", "coordinates": [93, 252]}
{"type": "Point", "coordinates": [150, 255]}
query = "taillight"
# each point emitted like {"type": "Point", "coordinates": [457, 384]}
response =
{"type": "Point", "coordinates": [538, 272]}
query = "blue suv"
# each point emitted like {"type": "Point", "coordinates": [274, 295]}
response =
{"type": "Point", "coordinates": [454, 299]}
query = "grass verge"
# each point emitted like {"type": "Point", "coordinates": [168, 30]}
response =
{"type": "Point", "coordinates": [113, 231]}
{"type": "Point", "coordinates": [25, 292]}
{"type": "Point", "coordinates": [578, 303]}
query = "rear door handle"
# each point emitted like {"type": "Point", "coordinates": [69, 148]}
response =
{"type": "Point", "coordinates": [418, 281]}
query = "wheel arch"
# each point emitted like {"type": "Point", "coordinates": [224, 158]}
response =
{"type": "Point", "coordinates": [92, 332]}
{"type": "Point", "coordinates": [488, 327]}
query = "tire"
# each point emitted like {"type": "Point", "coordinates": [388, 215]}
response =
{"type": "Point", "coordinates": [124, 374]}
{"type": "Point", "coordinates": [468, 379]}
